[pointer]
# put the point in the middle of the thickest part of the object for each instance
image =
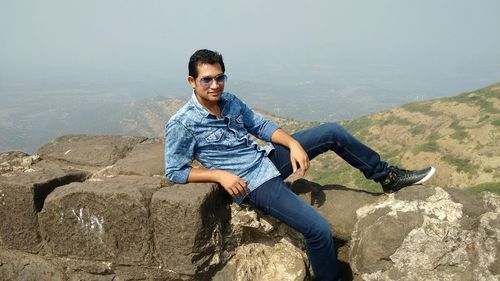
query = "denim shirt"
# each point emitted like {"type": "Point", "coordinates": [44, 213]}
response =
{"type": "Point", "coordinates": [195, 133]}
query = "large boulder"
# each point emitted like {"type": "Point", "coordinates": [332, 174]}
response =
{"type": "Point", "coordinates": [101, 220]}
{"type": "Point", "coordinates": [22, 196]}
{"type": "Point", "coordinates": [189, 226]}
{"type": "Point", "coordinates": [89, 151]}
{"type": "Point", "coordinates": [428, 233]}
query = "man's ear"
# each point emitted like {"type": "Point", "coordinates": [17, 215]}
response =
{"type": "Point", "coordinates": [191, 81]}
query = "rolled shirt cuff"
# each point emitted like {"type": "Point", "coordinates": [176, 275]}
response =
{"type": "Point", "coordinates": [180, 176]}
{"type": "Point", "coordinates": [268, 131]}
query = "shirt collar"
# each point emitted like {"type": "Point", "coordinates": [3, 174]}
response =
{"type": "Point", "coordinates": [202, 110]}
{"type": "Point", "coordinates": [197, 105]}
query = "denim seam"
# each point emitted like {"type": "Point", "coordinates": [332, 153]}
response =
{"type": "Point", "coordinates": [354, 155]}
{"type": "Point", "coordinates": [308, 227]}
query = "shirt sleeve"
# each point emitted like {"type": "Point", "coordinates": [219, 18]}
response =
{"type": "Point", "coordinates": [179, 152]}
{"type": "Point", "coordinates": [257, 125]}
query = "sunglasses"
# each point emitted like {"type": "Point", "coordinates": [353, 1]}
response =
{"type": "Point", "coordinates": [206, 81]}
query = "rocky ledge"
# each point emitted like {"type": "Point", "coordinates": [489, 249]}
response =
{"type": "Point", "coordinates": [98, 208]}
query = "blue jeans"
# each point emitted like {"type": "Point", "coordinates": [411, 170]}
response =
{"type": "Point", "coordinates": [276, 199]}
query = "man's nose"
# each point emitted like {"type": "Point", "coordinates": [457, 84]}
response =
{"type": "Point", "coordinates": [214, 84]}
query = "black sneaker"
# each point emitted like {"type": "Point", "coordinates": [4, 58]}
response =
{"type": "Point", "coordinates": [399, 178]}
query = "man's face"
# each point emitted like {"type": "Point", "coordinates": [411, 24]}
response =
{"type": "Point", "coordinates": [208, 93]}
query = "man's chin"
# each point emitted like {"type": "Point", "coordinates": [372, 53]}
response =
{"type": "Point", "coordinates": [215, 96]}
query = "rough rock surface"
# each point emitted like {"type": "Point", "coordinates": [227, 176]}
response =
{"type": "Point", "coordinates": [257, 261]}
{"type": "Point", "coordinates": [101, 220]}
{"type": "Point", "coordinates": [98, 208]}
{"type": "Point", "coordinates": [189, 225]}
{"type": "Point", "coordinates": [21, 196]}
{"type": "Point", "coordinates": [15, 265]}
{"type": "Point", "coordinates": [428, 234]}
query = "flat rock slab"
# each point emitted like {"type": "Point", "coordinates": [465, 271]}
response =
{"type": "Point", "coordinates": [22, 197]}
{"type": "Point", "coordinates": [189, 223]}
{"type": "Point", "coordinates": [88, 150]}
{"type": "Point", "coordinates": [101, 220]}
{"type": "Point", "coordinates": [145, 159]}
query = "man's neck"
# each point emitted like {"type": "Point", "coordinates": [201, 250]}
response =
{"type": "Point", "coordinates": [212, 107]}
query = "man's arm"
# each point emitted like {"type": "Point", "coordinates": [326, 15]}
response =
{"type": "Point", "coordinates": [232, 183]}
{"type": "Point", "coordinates": [298, 156]}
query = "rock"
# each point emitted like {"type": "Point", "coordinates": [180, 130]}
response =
{"type": "Point", "coordinates": [22, 196]}
{"type": "Point", "coordinates": [145, 159]}
{"type": "Point", "coordinates": [12, 155]}
{"type": "Point", "coordinates": [101, 220]}
{"type": "Point", "coordinates": [126, 273]}
{"type": "Point", "coordinates": [12, 162]}
{"type": "Point", "coordinates": [16, 265]}
{"type": "Point", "coordinates": [336, 203]}
{"type": "Point", "coordinates": [189, 223]}
{"type": "Point", "coordinates": [126, 222]}
{"type": "Point", "coordinates": [249, 225]}
{"type": "Point", "coordinates": [87, 150]}
{"type": "Point", "coordinates": [256, 261]}
{"type": "Point", "coordinates": [418, 233]}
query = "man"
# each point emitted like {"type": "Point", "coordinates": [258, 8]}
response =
{"type": "Point", "coordinates": [213, 127]}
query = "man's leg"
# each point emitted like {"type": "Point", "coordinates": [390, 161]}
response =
{"type": "Point", "coordinates": [276, 199]}
{"type": "Point", "coordinates": [331, 136]}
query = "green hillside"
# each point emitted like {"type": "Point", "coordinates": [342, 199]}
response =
{"type": "Point", "coordinates": [458, 135]}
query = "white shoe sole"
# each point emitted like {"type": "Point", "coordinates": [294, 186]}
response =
{"type": "Point", "coordinates": [428, 176]}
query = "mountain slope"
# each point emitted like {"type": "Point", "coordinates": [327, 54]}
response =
{"type": "Point", "coordinates": [458, 135]}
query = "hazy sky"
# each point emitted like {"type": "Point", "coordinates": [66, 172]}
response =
{"type": "Point", "coordinates": [449, 44]}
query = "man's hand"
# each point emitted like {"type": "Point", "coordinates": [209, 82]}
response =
{"type": "Point", "coordinates": [298, 158]}
{"type": "Point", "coordinates": [233, 184]}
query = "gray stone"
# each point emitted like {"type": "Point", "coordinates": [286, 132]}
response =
{"type": "Point", "coordinates": [424, 238]}
{"type": "Point", "coordinates": [189, 223]}
{"type": "Point", "coordinates": [22, 196]}
{"type": "Point", "coordinates": [256, 261]}
{"type": "Point", "coordinates": [101, 220]}
{"type": "Point", "coordinates": [145, 159]}
{"type": "Point", "coordinates": [88, 150]}
{"type": "Point", "coordinates": [16, 265]}
{"type": "Point", "coordinates": [11, 161]}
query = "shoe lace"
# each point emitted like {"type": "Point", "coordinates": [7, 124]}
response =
{"type": "Point", "coordinates": [395, 172]}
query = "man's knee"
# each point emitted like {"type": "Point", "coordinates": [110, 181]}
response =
{"type": "Point", "coordinates": [333, 131]}
{"type": "Point", "coordinates": [334, 128]}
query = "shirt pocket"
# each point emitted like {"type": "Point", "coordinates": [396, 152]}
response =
{"type": "Point", "coordinates": [239, 119]}
{"type": "Point", "coordinates": [240, 126]}
{"type": "Point", "coordinates": [214, 136]}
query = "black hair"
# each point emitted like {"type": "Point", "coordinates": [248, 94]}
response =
{"type": "Point", "coordinates": [204, 56]}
